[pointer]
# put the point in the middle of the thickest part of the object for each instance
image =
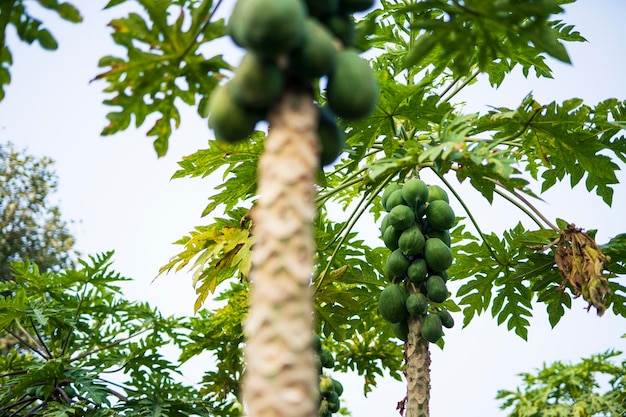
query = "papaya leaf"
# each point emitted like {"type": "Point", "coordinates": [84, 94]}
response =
{"type": "Point", "coordinates": [163, 65]}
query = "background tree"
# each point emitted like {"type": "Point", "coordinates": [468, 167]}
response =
{"type": "Point", "coordinates": [594, 386]}
{"type": "Point", "coordinates": [31, 225]}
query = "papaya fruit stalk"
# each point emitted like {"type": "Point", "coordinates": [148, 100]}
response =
{"type": "Point", "coordinates": [281, 376]}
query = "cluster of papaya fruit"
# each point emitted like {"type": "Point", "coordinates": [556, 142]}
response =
{"type": "Point", "coordinates": [330, 389]}
{"type": "Point", "coordinates": [416, 230]}
{"type": "Point", "coordinates": [289, 43]}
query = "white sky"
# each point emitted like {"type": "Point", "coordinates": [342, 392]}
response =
{"type": "Point", "coordinates": [123, 198]}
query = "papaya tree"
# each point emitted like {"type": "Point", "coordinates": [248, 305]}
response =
{"type": "Point", "coordinates": [423, 54]}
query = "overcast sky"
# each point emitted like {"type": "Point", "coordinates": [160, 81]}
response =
{"type": "Point", "coordinates": [121, 197]}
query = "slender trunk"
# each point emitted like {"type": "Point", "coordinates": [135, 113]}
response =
{"type": "Point", "coordinates": [417, 371]}
{"type": "Point", "coordinates": [281, 378]}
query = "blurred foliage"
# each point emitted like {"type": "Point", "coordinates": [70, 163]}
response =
{"type": "Point", "coordinates": [29, 28]}
{"type": "Point", "coordinates": [595, 386]}
{"type": "Point", "coordinates": [31, 226]}
{"type": "Point", "coordinates": [76, 338]}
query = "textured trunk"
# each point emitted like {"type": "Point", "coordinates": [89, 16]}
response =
{"type": "Point", "coordinates": [417, 371]}
{"type": "Point", "coordinates": [281, 378]}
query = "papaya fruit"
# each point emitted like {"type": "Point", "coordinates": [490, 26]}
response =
{"type": "Point", "coordinates": [384, 224]}
{"type": "Point", "coordinates": [431, 328]}
{"type": "Point", "coordinates": [438, 255]}
{"type": "Point", "coordinates": [316, 55]}
{"type": "Point", "coordinates": [435, 192]}
{"type": "Point", "coordinates": [417, 304]}
{"type": "Point", "coordinates": [388, 191]}
{"type": "Point", "coordinates": [396, 265]}
{"type": "Point", "coordinates": [401, 217]}
{"type": "Point", "coordinates": [392, 303]}
{"type": "Point", "coordinates": [234, 27]}
{"type": "Point", "coordinates": [391, 237]}
{"type": "Point", "coordinates": [317, 343]}
{"type": "Point", "coordinates": [401, 330]}
{"type": "Point", "coordinates": [338, 387]}
{"type": "Point", "coordinates": [324, 409]}
{"type": "Point", "coordinates": [415, 192]}
{"type": "Point", "coordinates": [326, 385]}
{"type": "Point", "coordinates": [417, 270]}
{"type": "Point", "coordinates": [327, 358]}
{"type": "Point", "coordinates": [444, 235]}
{"type": "Point", "coordinates": [321, 8]}
{"type": "Point", "coordinates": [440, 215]}
{"type": "Point", "coordinates": [411, 242]}
{"type": "Point", "coordinates": [230, 121]}
{"type": "Point", "coordinates": [334, 404]}
{"type": "Point", "coordinates": [352, 90]}
{"type": "Point", "coordinates": [351, 6]}
{"type": "Point", "coordinates": [395, 199]}
{"type": "Point", "coordinates": [446, 319]}
{"type": "Point", "coordinates": [420, 211]}
{"type": "Point", "coordinates": [436, 289]}
{"type": "Point", "coordinates": [257, 82]}
{"type": "Point", "coordinates": [342, 26]}
{"type": "Point", "coordinates": [444, 275]}
{"type": "Point", "coordinates": [271, 27]}
{"type": "Point", "coordinates": [331, 136]}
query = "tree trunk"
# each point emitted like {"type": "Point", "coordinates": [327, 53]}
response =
{"type": "Point", "coordinates": [417, 371]}
{"type": "Point", "coordinates": [281, 377]}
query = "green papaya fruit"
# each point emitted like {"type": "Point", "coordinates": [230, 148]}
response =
{"type": "Point", "coordinates": [391, 237]}
{"type": "Point", "coordinates": [384, 224]}
{"type": "Point", "coordinates": [271, 27]}
{"type": "Point", "coordinates": [420, 211]}
{"type": "Point", "coordinates": [435, 192]}
{"type": "Point", "coordinates": [388, 191]}
{"type": "Point", "coordinates": [440, 215]}
{"type": "Point", "coordinates": [401, 217]}
{"type": "Point", "coordinates": [446, 319]}
{"type": "Point", "coordinates": [331, 136]}
{"type": "Point", "coordinates": [230, 121]}
{"type": "Point", "coordinates": [431, 328]}
{"type": "Point", "coordinates": [417, 304]}
{"type": "Point", "coordinates": [412, 242]}
{"type": "Point", "coordinates": [444, 235]}
{"type": "Point", "coordinates": [234, 27]}
{"type": "Point", "coordinates": [395, 199]}
{"type": "Point", "coordinates": [438, 255]}
{"type": "Point", "coordinates": [257, 83]}
{"type": "Point", "coordinates": [392, 303]}
{"type": "Point", "coordinates": [436, 289]}
{"type": "Point", "coordinates": [316, 56]}
{"type": "Point", "coordinates": [417, 270]}
{"type": "Point", "coordinates": [396, 265]}
{"type": "Point", "coordinates": [401, 330]}
{"type": "Point", "coordinates": [415, 192]}
{"type": "Point", "coordinates": [342, 26]}
{"type": "Point", "coordinates": [334, 404]}
{"type": "Point", "coordinates": [327, 358]}
{"type": "Point", "coordinates": [338, 387]}
{"type": "Point", "coordinates": [317, 343]}
{"type": "Point", "coordinates": [352, 90]}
